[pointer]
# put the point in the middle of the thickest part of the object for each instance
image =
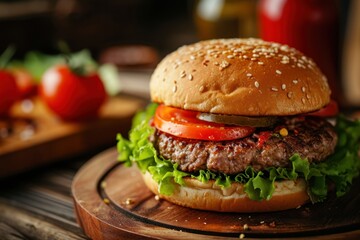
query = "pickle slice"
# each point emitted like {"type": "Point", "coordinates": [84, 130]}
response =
{"type": "Point", "coordinates": [238, 120]}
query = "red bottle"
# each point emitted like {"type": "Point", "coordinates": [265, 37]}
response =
{"type": "Point", "coordinates": [310, 26]}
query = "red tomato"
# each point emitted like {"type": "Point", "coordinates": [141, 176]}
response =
{"type": "Point", "coordinates": [329, 110]}
{"type": "Point", "coordinates": [25, 82]}
{"type": "Point", "coordinates": [71, 96]}
{"type": "Point", "coordinates": [183, 123]}
{"type": "Point", "coordinates": [8, 92]}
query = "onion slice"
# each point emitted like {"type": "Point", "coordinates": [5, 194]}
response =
{"type": "Point", "coordinates": [238, 120]}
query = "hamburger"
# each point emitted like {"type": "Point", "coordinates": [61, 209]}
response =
{"type": "Point", "coordinates": [241, 125]}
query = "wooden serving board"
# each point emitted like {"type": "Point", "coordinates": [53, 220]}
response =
{"type": "Point", "coordinates": [38, 137]}
{"type": "Point", "coordinates": [112, 202]}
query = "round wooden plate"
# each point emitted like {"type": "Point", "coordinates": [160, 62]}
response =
{"type": "Point", "coordinates": [112, 202]}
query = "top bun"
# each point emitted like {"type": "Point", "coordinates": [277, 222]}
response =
{"type": "Point", "coordinates": [247, 77]}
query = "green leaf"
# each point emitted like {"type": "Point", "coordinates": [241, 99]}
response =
{"type": "Point", "coordinates": [223, 180]}
{"type": "Point", "coordinates": [317, 189]}
{"type": "Point", "coordinates": [6, 56]}
{"type": "Point", "coordinates": [37, 63]}
{"type": "Point", "coordinates": [109, 75]}
{"type": "Point", "coordinates": [260, 188]}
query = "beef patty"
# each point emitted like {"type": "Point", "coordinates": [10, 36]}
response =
{"type": "Point", "coordinates": [312, 138]}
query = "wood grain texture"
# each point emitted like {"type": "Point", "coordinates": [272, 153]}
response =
{"type": "Point", "coordinates": [38, 204]}
{"type": "Point", "coordinates": [26, 226]}
{"type": "Point", "coordinates": [54, 139]}
{"type": "Point", "coordinates": [130, 209]}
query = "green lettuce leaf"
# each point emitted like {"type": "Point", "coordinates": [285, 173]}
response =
{"type": "Point", "coordinates": [340, 168]}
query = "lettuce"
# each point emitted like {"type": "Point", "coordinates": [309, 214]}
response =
{"type": "Point", "coordinates": [340, 168]}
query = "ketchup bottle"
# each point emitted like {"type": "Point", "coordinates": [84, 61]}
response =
{"type": "Point", "coordinates": [311, 26]}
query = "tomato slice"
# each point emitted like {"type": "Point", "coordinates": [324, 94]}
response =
{"type": "Point", "coordinates": [183, 123]}
{"type": "Point", "coordinates": [329, 110]}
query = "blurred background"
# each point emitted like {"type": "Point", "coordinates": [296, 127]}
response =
{"type": "Point", "coordinates": [138, 33]}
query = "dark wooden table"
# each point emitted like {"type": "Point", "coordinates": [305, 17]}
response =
{"type": "Point", "coordinates": [38, 204]}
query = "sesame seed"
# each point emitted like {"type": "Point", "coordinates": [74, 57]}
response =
{"type": "Point", "coordinates": [303, 89]}
{"type": "Point", "coordinates": [246, 227]}
{"type": "Point", "coordinates": [255, 55]}
{"type": "Point", "coordinates": [106, 201]}
{"type": "Point", "coordinates": [176, 66]}
{"type": "Point", "coordinates": [274, 89]}
{"type": "Point", "coordinates": [174, 89]}
{"type": "Point", "coordinates": [192, 57]}
{"type": "Point", "coordinates": [245, 57]}
{"type": "Point", "coordinates": [242, 236]}
{"type": "Point", "coordinates": [182, 74]}
{"type": "Point", "coordinates": [295, 81]}
{"type": "Point", "coordinates": [216, 63]}
{"type": "Point", "coordinates": [262, 222]}
{"type": "Point", "coordinates": [103, 184]}
{"type": "Point", "coordinates": [253, 59]}
{"type": "Point", "coordinates": [303, 100]}
{"type": "Point", "coordinates": [290, 94]}
{"type": "Point", "coordinates": [230, 56]}
{"type": "Point", "coordinates": [301, 65]}
{"type": "Point", "coordinates": [284, 48]}
{"type": "Point", "coordinates": [157, 198]}
{"type": "Point", "coordinates": [224, 64]}
{"type": "Point", "coordinates": [190, 77]}
{"type": "Point", "coordinates": [307, 96]}
{"type": "Point", "coordinates": [201, 89]}
{"type": "Point", "coordinates": [129, 201]}
{"type": "Point", "coordinates": [256, 83]}
{"type": "Point", "coordinates": [285, 58]}
{"type": "Point", "coordinates": [283, 86]}
{"type": "Point", "coordinates": [278, 71]}
{"type": "Point", "coordinates": [249, 75]}
{"type": "Point", "coordinates": [261, 63]}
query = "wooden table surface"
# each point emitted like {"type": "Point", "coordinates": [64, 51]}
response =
{"type": "Point", "coordinates": [38, 204]}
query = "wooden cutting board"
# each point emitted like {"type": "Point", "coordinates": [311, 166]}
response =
{"type": "Point", "coordinates": [38, 137]}
{"type": "Point", "coordinates": [112, 202]}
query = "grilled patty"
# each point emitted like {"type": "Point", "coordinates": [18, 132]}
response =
{"type": "Point", "coordinates": [312, 138]}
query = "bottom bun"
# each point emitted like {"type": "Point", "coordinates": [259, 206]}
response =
{"type": "Point", "coordinates": [208, 196]}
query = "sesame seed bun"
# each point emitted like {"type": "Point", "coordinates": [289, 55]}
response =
{"type": "Point", "coordinates": [208, 196]}
{"type": "Point", "coordinates": [247, 77]}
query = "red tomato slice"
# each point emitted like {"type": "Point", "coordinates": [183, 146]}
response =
{"type": "Point", "coordinates": [329, 110]}
{"type": "Point", "coordinates": [183, 123]}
